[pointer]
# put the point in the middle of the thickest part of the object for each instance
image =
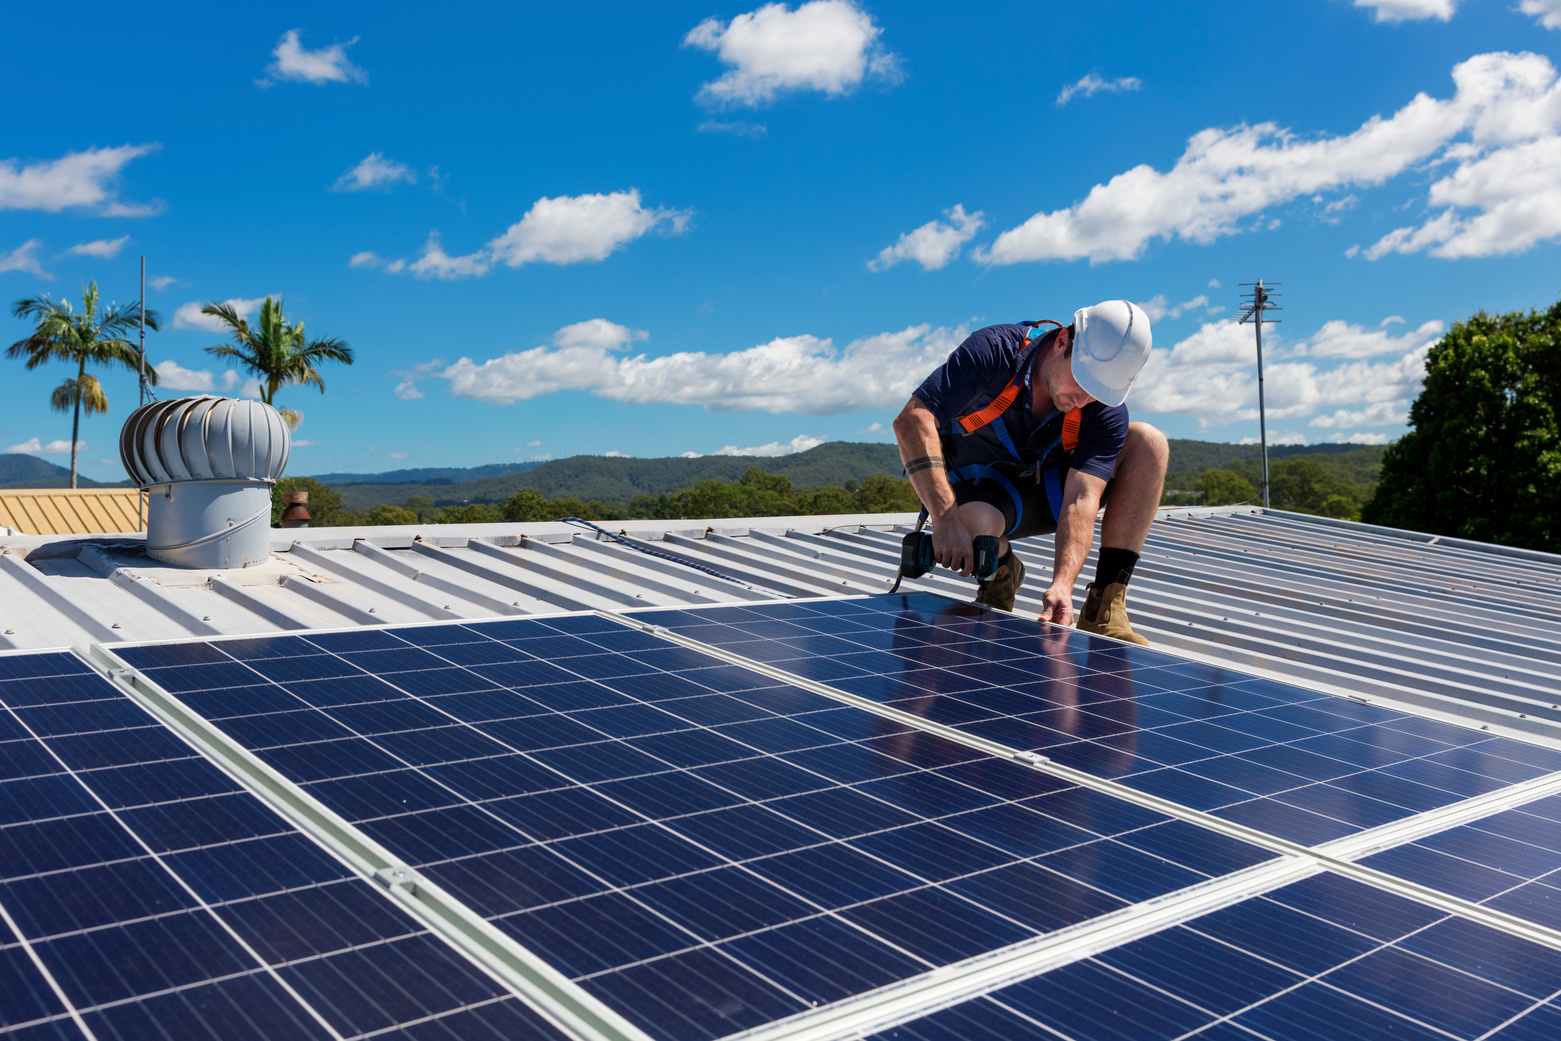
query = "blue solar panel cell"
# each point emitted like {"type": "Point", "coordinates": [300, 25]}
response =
{"type": "Point", "coordinates": [1300, 765]}
{"type": "Point", "coordinates": [168, 902]}
{"type": "Point", "coordinates": [721, 816]}
{"type": "Point", "coordinates": [1326, 957]}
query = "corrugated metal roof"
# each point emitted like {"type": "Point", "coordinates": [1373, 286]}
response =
{"type": "Point", "coordinates": [1457, 629]}
{"type": "Point", "coordinates": [70, 511]}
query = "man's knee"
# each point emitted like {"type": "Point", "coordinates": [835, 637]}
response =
{"type": "Point", "coordinates": [982, 518]}
{"type": "Point", "coordinates": [1146, 445]}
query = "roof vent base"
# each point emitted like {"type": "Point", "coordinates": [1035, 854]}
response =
{"type": "Point", "coordinates": [209, 524]}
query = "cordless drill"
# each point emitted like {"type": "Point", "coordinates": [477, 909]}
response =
{"type": "Point", "coordinates": [916, 557]}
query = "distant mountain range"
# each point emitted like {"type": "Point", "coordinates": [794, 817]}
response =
{"type": "Point", "coordinates": [618, 480]}
{"type": "Point", "coordinates": [28, 471]}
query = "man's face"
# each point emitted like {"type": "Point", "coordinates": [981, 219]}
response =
{"type": "Point", "coordinates": [1056, 372]}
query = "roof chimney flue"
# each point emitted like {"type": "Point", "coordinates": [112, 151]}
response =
{"type": "Point", "coordinates": [207, 464]}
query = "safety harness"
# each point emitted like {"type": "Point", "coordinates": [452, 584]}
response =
{"type": "Point", "coordinates": [992, 415]}
{"type": "Point", "coordinates": [916, 555]}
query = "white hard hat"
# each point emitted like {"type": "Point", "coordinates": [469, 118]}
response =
{"type": "Point", "coordinates": [1110, 346]}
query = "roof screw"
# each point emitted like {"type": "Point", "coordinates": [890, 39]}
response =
{"type": "Point", "coordinates": [373, 610]}
{"type": "Point", "coordinates": [114, 626]}
{"type": "Point", "coordinates": [205, 617]}
{"type": "Point", "coordinates": [10, 632]}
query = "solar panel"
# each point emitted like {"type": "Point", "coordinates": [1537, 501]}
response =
{"type": "Point", "coordinates": [1294, 763]}
{"type": "Point", "coordinates": [145, 894]}
{"type": "Point", "coordinates": [1326, 957]}
{"type": "Point", "coordinates": [703, 848]}
{"type": "Point", "coordinates": [1510, 861]}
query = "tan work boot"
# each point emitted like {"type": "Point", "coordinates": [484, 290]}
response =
{"type": "Point", "coordinates": [999, 590]}
{"type": "Point", "coordinates": [1105, 613]}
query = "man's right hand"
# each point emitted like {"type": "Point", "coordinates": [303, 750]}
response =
{"type": "Point", "coordinates": [952, 545]}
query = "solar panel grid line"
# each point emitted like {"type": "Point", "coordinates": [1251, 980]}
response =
{"type": "Point", "coordinates": [1479, 807]}
{"type": "Point", "coordinates": [995, 748]}
{"type": "Point", "coordinates": [48, 977]}
{"type": "Point", "coordinates": [823, 839]}
{"type": "Point", "coordinates": [530, 978]}
{"type": "Point", "coordinates": [953, 984]}
{"type": "Point", "coordinates": [179, 881]}
{"type": "Point", "coordinates": [615, 625]}
{"type": "Point", "coordinates": [1511, 923]}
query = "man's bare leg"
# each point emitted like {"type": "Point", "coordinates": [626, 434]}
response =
{"type": "Point", "coordinates": [1135, 494]}
{"type": "Point", "coordinates": [1136, 488]}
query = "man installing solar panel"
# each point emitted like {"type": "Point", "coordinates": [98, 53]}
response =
{"type": "Point", "coordinates": [1024, 432]}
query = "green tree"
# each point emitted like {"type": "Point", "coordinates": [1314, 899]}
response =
{"type": "Point", "coordinates": [98, 334]}
{"type": "Point", "coordinates": [1305, 486]}
{"type": "Point", "coordinates": [421, 505]}
{"type": "Point", "coordinates": [471, 513]}
{"type": "Point", "coordinates": [325, 510]}
{"type": "Point", "coordinates": [1223, 488]}
{"type": "Point", "coordinates": [881, 493]}
{"type": "Point", "coordinates": [385, 513]}
{"type": "Point", "coordinates": [1482, 458]}
{"type": "Point", "coordinates": [525, 505]}
{"type": "Point", "coordinates": [278, 353]}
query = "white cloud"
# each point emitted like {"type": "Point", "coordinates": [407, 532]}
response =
{"type": "Point", "coordinates": [300, 65]}
{"type": "Point", "coordinates": [188, 316]}
{"type": "Point", "coordinates": [368, 258]}
{"type": "Point", "coordinates": [1338, 339]}
{"type": "Point", "coordinates": [375, 171]}
{"type": "Point", "coordinates": [933, 244]}
{"type": "Point", "coordinates": [803, 374]}
{"type": "Point", "coordinates": [871, 428]}
{"type": "Point", "coordinates": [532, 444]}
{"type": "Point", "coordinates": [1409, 10]}
{"type": "Point", "coordinates": [1212, 375]}
{"type": "Point", "coordinates": [397, 455]}
{"type": "Point", "coordinates": [161, 282]}
{"type": "Point", "coordinates": [1380, 414]}
{"type": "Point", "coordinates": [1546, 12]}
{"type": "Point", "coordinates": [800, 443]}
{"type": "Point", "coordinates": [1506, 102]}
{"type": "Point", "coordinates": [1289, 437]}
{"type": "Point", "coordinates": [1214, 283]}
{"type": "Point", "coordinates": [303, 442]}
{"type": "Point", "coordinates": [407, 389]}
{"type": "Point", "coordinates": [76, 180]}
{"type": "Point", "coordinates": [826, 45]}
{"type": "Point", "coordinates": [22, 259]}
{"type": "Point", "coordinates": [562, 230]}
{"type": "Point", "coordinates": [105, 248]}
{"type": "Point", "coordinates": [737, 126]}
{"type": "Point", "coordinates": [616, 455]}
{"type": "Point", "coordinates": [33, 446]}
{"type": "Point", "coordinates": [1091, 84]}
{"type": "Point", "coordinates": [567, 230]}
{"type": "Point", "coordinates": [173, 376]}
{"type": "Point", "coordinates": [599, 333]}
{"type": "Point", "coordinates": [1360, 438]}
{"type": "Point", "coordinates": [1158, 307]}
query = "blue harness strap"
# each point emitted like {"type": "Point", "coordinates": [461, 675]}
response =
{"type": "Point", "coordinates": [975, 473]}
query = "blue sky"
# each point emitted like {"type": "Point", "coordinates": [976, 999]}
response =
{"type": "Point", "coordinates": [658, 229]}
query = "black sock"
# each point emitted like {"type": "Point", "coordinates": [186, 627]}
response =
{"type": "Point", "coordinates": [1115, 565]}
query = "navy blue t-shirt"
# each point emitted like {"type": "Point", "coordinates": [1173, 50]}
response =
{"type": "Point", "coordinates": [977, 372]}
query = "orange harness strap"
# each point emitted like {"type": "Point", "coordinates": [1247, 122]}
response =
{"type": "Point", "coordinates": [976, 420]}
{"type": "Point", "coordinates": [1070, 429]}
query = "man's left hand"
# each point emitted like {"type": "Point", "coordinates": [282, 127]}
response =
{"type": "Point", "coordinates": [1058, 605]}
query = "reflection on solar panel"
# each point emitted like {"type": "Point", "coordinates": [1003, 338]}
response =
{"type": "Point", "coordinates": [145, 894]}
{"type": "Point", "coordinates": [1303, 766]}
{"type": "Point", "coordinates": [702, 848]}
{"type": "Point", "coordinates": [846, 836]}
{"type": "Point", "coordinates": [1326, 957]}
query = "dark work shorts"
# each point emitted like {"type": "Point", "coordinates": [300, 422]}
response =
{"type": "Point", "coordinates": [1024, 501]}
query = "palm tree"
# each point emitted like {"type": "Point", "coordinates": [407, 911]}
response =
{"type": "Point", "coordinates": [276, 352]}
{"type": "Point", "coordinates": [96, 334]}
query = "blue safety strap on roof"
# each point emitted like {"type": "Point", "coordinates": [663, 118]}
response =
{"type": "Point", "coordinates": [978, 472]}
{"type": "Point", "coordinates": [637, 545]}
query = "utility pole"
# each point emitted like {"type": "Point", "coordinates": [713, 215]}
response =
{"type": "Point", "coordinates": [1254, 303]}
{"type": "Point", "coordinates": [145, 388]}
